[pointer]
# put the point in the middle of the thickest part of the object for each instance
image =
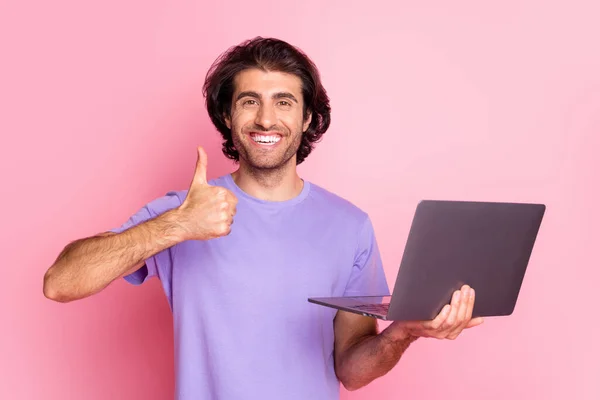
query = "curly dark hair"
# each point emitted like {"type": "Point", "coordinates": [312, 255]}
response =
{"type": "Point", "coordinates": [268, 54]}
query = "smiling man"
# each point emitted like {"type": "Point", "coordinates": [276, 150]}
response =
{"type": "Point", "coordinates": [238, 291]}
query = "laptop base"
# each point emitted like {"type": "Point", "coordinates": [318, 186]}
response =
{"type": "Point", "coordinates": [368, 306]}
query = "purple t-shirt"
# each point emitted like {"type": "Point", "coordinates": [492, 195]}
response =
{"type": "Point", "coordinates": [243, 327]}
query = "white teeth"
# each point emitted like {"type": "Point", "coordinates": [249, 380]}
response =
{"type": "Point", "coordinates": [266, 139]}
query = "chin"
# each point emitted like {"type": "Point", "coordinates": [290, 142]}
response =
{"type": "Point", "coordinates": [265, 165]}
{"type": "Point", "coordinates": [268, 163]}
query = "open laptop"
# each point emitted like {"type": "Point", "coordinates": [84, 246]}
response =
{"type": "Point", "coordinates": [486, 245]}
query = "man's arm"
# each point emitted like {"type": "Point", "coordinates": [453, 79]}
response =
{"type": "Point", "coordinates": [86, 266]}
{"type": "Point", "coordinates": [363, 355]}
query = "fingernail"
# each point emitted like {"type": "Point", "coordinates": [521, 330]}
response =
{"type": "Point", "coordinates": [472, 293]}
{"type": "Point", "coordinates": [457, 296]}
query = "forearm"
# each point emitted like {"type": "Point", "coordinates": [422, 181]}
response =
{"type": "Point", "coordinates": [88, 265]}
{"type": "Point", "coordinates": [370, 358]}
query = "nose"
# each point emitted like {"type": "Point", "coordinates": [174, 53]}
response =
{"type": "Point", "coordinates": [265, 117]}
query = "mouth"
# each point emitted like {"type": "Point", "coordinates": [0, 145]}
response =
{"type": "Point", "coordinates": [265, 139]}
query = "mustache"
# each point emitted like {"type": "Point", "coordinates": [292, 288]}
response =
{"type": "Point", "coordinates": [258, 128]}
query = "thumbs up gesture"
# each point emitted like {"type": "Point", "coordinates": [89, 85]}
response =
{"type": "Point", "coordinates": [207, 212]}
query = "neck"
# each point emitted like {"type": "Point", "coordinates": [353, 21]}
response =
{"type": "Point", "coordinates": [279, 184]}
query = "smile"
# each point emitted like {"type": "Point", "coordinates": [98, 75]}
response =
{"type": "Point", "coordinates": [265, 139]}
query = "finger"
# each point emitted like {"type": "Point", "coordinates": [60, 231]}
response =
{"type": "Point", "coordinates": [231, 198]}
{"type": "Point", "coordinates": [437, 322]}
{"type": "Point", "coordinates": [200, 174]}
{"type": "Point", "coordinates": [469, 315]}
{"type": "Point", "coordinates": [474, 322]}
{"type": "Point", "coordinates": [224, 206]}
{"type": "Point", "coordinates": [221, 194]}
{"type": "Point", "coordinates": [449, 323]}
{"type": "Point", "coordinates": [463, 311]}
{"type": "Point", "coordinates": [471, 322]}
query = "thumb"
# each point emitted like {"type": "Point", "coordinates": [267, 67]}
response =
{"type": "Point", "coordinates": [200, 174]}
{"type": "Point", "coordinates": [475, 322]}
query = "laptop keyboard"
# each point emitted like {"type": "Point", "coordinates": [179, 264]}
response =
{"type": "Point", "coordinates": [376, 308]}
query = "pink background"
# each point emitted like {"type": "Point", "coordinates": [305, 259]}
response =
{"type": "Point", "coordinates": [101, 111]}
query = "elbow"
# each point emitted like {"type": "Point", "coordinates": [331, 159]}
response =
{"type": "Point", "coordinates": [350, 384]}
{"type": "Point", "coordinates": [348, 379]}
{"type": "Point", "coordinates": [350, 387]}
{"type": "Point", "coordinates": [52, 289]}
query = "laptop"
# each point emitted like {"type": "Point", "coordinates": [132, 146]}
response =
{"type": "Point", "coordinates": [486, 245]}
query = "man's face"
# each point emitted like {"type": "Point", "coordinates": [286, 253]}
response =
{"type": "Point", "coordinates": [266, 118]}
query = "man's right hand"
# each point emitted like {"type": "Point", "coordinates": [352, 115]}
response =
{"type": "Point", "coordinates": [207, 212]}
{"type": "Point", "coordinates": [88, 265]}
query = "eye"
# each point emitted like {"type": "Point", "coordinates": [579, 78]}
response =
{"type": "Point", "coordinates": [284, 103]}
{"type": "Point", "coordinates": [249, 102]}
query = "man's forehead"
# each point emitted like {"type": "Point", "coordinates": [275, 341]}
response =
{"type": "Point", "coordinates": [260, 81]}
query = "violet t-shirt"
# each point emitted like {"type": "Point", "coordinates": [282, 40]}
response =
{"type": "Point", "coordinates": [243, 327]}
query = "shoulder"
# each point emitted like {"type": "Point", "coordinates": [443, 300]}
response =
{"type": "Point", "coordinates": [170, 200]}
{"type": "Point", "coordinates": [175, 198]}
{"type": "Point", "coordinates": [337, 206]}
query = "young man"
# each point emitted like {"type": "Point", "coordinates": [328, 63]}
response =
{"type": "Point", "coordinates": [238, 290]}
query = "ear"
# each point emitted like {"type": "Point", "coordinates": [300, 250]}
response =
{"type": "Point", "coordinates": [307, 121]}
{"type": "Point", "coordinates": [227, 120]}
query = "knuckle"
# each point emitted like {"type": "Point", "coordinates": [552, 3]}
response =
{"type": "Point", "coordinates": [230, 197]}
{"type": "Point", "coordinates": [226, 229]}
{"type": "Point", "coordinates": [222, 229]}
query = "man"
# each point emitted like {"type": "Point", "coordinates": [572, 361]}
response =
{"type": "Point", "coordinates": [238, 290]}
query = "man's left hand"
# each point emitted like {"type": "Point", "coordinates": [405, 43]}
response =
{"type": "Point", "coordinates": [448, 324]}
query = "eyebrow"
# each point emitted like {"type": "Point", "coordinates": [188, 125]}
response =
{"type": "Point", "coordinates": [278, 95]}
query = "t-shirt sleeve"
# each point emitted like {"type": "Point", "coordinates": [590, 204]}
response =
{"type": "Point", "coordinates": [161, 263]}
{"type": "Point", "coordinates": [367, 277]}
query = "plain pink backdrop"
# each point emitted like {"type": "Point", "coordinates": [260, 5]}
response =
{"type": "Point", "coordinates": [101, 111]}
